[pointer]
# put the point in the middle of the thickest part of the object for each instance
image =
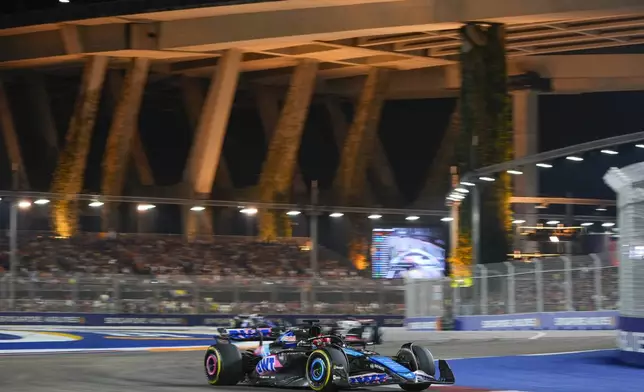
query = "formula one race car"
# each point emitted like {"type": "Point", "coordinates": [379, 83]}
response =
{"type": "Point", "coordinates": [252, 327]}
{"type": "Point", "coordinates": [355, 330]}
{"type": "Point", "coordinates": [303, 357]}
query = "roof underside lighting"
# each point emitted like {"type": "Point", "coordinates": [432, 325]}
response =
{"type": "Point", "coordinates": [544, 165]}
{"type": "Point", "coordinates": [514, 172]}
{"type": "Point", "coordinates": [575, 158]}
{"type": "Point", "coordinates": [609, 152]}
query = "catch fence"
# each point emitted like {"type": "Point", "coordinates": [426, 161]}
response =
{"type": "Point", "coordinates": [198, 294]}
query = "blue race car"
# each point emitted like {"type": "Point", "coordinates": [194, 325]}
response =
{"type": "Point", "coordinates": [304, 357]}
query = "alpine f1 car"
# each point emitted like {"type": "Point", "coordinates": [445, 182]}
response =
{"type": "Point", "coordinates": [302, 357]}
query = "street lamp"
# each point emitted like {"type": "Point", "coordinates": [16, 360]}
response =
{"type": "Point", "coordinates": [248, 211]}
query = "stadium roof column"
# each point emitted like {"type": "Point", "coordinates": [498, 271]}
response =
{"type": "Point", "coordinates": [139, 156]}
{"type": "Point", "coordinates": [438, 180]}
{"type": "Point", "coordinates": [116, 159]}
{"type": "Point", "coordinates": [11, 141]}
{"type": "Point", "coordinates": [268, 103]}
{"type": "Point", "coordinates": [340, 127]}
{"type": "Point", "coordinates": [525, 117]}
{"type": "Point", "coordinates": [359, 143]}
{"type": "Point", "coordinates": [281, 160]}
{"type": "Point", "coordinates": [205, 155]}
{"type": "Point", "coordinates": [194, 96]}
{"type": "Point", "coordinates": [356, 155]}
{"type": "Point", "coordinates": [43, 116]}
{"type": "Point", "coordinates": [69, 175]}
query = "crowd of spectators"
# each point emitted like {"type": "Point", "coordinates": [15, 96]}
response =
{"type": "Point", "coordinates": [166, 274]}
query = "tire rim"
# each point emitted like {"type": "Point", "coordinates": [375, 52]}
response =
{"type": "Point", "coordinates": [211, 365]}
{"type": "Point", "coordinates": [317, 370]}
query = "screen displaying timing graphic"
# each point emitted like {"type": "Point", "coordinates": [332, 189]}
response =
{"type": "Point", "coordinates": [411, 252]}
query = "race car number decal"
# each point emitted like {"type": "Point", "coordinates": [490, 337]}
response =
{"type": "Point", "coordinates": [368, 379]}
{"type": "Point", "coordinates": [268, 365]}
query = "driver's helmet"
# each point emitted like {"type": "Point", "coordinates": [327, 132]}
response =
{"type": "Point", "coordinates": [314, 331]}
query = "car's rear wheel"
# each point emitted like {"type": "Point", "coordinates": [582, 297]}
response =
{"type": "Point", "coordinates": [319, 371]}
{"type": "Point", "coordinates": [223, 364]}
{"type": "Point", "coordinates": [418, 358]}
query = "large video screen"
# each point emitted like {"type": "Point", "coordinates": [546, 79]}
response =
{"type": "Point", "coordinates": [408, 252]}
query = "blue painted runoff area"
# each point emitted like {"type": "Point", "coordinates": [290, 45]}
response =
{"type": "Point", "coordinates": [594, 371]}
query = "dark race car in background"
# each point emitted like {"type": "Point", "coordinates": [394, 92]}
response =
{"type": "Point", "coordinates": [304, 357]}
{"type": "Point", "coordinates": [355, 331]}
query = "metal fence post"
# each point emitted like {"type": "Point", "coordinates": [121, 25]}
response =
{"type": "Point", "coordinates": [510, 306]}
{"type": "Point", "coordinates": [483, 291]}
{"type": "Point", "coordinates": [568, 287]}
{"type": "Point", "coordinates": [597, 263]}
{"type": "Point", "coordinates": [538, 271]}
{"type": "Point", "coordinates": [456, 300]}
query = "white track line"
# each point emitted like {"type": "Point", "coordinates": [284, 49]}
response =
{"type": "Point", "coordinates": [537, 336]}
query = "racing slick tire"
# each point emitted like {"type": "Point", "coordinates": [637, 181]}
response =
{"type": "Point", "coordinates": [419, 358]}
{"type": "Point", "coordinates": [223, 364]}
{"type": "Point", "coordinates": [319, 371]}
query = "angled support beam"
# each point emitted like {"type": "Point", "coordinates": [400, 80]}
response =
{"type": "Point", "coordinates": [268, 102]}
{"type": "Point", "coordinates": [205, 155]}
{"type": "Point", "coordinates": [438, 180]}
{"type": "Point", "coordinates": [357, 150]}
{"type": "Point", "coordinates": [119, 141]}
{"type": "Point", "coordinates": [72, 41]}
{"type": "Point", "coordinates": [139, 156]}
{"type": "Point", "coordinates": [193, 99]}
{"type": "Point", "coordinates": [281, 161]}
{"type": "Point", "coordinates": [69, 174]}
{"type": "Point", "coordinates": [10, 135]}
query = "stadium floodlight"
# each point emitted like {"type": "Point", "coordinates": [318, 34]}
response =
{"type": "Point", "coordinates": [552, 222]}
{"type": "Point", "coordinates": [601, 209]}
{"type": "Point", "coordinates": [248, 211]}
{"type": "Point", "coordinates": [198, 208]}
{"type": "Point", "coordinates": [41, 202]}
{"type": "Point", "coordinates": [145, 207]}
{"type": "Point", "coordinates": [447, 219]}
{"type": "Point", "coordinates": [608, 224]}
{"type": "Point", "coordinates": [412, 218]}
{"type": "Point", "coordinates": [639, 145]}
{"type": "Point", "coordinates": [461, 190]}
{"type": "Point", "coordinates": [466, 183]}
{"type": "Point", "coordinates": [554, 238]}
{"type": "Point", "coordinates": [488, 179]}
{"type": "Point", "coordinates": [293, 213]}
{"type": "Point", "coordinates": [609, 152]}
{"type": "Point", "coordinates": [575, 158]}
{"type": "Point", "coordinates": [586, 224]}
{"type": "Point", "coordinates": [518, 221]}
{"type": "Point", "coordinates": [514, 172]}
{"type": "Point", "coordinates": [96, 204]}
{"type": "Point", "coordinates": [336, 215]}
{"type": "Point", "coordinates": [374, 216]}
{"type": "Point", "coordinates": [544, 165]}
{"type": "Point", "coordinates": [24, 204]}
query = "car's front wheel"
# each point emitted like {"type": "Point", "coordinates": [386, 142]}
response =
{"type": "Point", "coordinates": [319, 371]}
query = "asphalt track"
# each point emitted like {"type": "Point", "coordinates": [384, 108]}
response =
{"type": "Point", "coordinates": [176, 371]}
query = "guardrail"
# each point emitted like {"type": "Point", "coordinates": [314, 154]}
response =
{"type": "Point", "coordinates": [599, 320]}
{"type": "Point", "coordinates": [165, 320]}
